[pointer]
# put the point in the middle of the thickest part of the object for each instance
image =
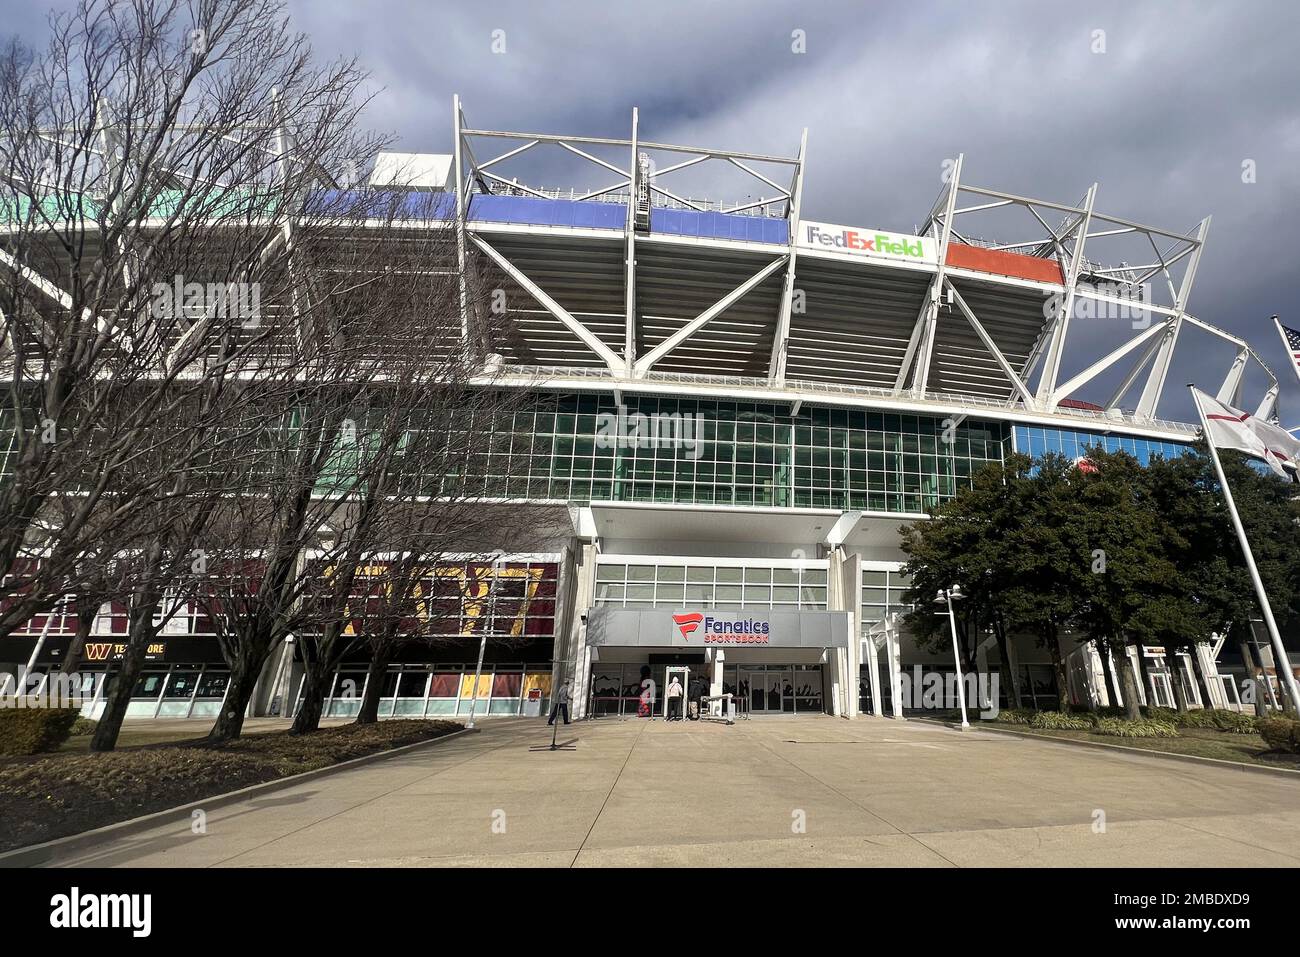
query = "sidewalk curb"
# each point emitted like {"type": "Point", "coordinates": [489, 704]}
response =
{"type": "Point", "coordinates": [40, 853]}
{"type": "Point", "coordinates": [1292, 773]}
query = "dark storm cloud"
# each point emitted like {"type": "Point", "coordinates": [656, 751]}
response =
{"type": "Point", "coordinates": [1163, 119]}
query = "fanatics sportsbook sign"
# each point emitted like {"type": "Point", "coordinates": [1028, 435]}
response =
{"type": "Point", "coordinates": [702, 628]}
{"type": "Point", "coordinates": [866, 242]}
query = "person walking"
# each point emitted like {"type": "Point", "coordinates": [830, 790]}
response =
{"type": "Point", "coordinates": [560, 704]}
{"type": "Point", "coordinates": [674, 695]}
{"type": "Point", "coordinates": [695, 693]}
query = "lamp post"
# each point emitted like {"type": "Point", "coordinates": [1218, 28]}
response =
{"type": "Point", "coordinates": [946, 596]}
{"type": "Point", "coordinates": [482, 645]}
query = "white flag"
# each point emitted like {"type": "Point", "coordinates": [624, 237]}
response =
{"type": "Point", "coordinates": [1230, 428]}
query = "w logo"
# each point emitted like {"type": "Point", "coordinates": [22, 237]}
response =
{"type": "Point", "coordinates": [98, 650]}
{"type": "Point", "coordinates": [688, 623]}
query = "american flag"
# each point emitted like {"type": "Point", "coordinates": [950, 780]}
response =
{"type": "Point", "coordinates": [1292, 339]}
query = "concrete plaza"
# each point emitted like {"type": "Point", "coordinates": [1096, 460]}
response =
{"type": "Point", "coordinates": [783, 792]}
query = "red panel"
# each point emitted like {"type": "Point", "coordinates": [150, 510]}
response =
{"type": "Point", "coordinates": [1003, 263]}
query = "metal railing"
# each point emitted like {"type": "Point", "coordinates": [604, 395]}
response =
{"type": "Point", "coordinates": [620, 197]}
{"type": "Point", "coordinates": [543, 373]}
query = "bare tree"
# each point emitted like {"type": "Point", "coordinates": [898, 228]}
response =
{"type": "Point", "coordinates": [161, 169]}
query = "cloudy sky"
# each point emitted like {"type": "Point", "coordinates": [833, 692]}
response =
{"type": "Point", "coordinates": [1163, 119]}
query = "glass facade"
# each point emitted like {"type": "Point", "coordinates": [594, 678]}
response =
{"type": "Point", "coordinates": [583, 448]}
{"type": "Point", "coordinates": [649, 584]}
{"type": "Point", "coordinates": [1037, 441]}
{"type": "Point", "coordinates": [882, 594]}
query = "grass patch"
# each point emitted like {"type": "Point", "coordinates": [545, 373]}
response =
{"type": "Point", "coordinates": [1199, 742]}
{"type": "Point", "coordinates": [53, 795]}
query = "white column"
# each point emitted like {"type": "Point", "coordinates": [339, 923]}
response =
{"type": "Point", "coordinates": [579, 657]}
{"type": "Point", "coordinates": [715, 685]}
{"type": "Point", "coordinates": [873, 674]}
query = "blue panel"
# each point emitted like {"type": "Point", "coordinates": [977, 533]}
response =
{"type": "Point", "coordinates": [533, 211]}
{"type": "Point", "coordinates": [709, 225]}
{"type": "Point", "coordinates": [411, 204]}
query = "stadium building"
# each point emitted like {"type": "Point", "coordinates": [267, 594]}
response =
{"type": "Point", "coordinates": [740, 407]}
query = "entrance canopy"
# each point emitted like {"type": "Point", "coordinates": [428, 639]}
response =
{"type": "Point", "coordinates": [698, 628]}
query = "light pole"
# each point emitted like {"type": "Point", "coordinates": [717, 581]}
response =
{"type": "Point", "coordinates": [947, 596]}
{"type": "Point", "coordinates": [482, 645]}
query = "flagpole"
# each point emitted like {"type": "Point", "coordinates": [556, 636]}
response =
{"type": "Point", "coordinates": [1282, 663]}
{"type": "Point", "coordinates": [1286, 344]}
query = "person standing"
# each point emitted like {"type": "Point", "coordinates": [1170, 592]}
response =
{"type": "Point", "coordinates": [560, 705]}
{"type": "Point", "coordinates": [674, 695]}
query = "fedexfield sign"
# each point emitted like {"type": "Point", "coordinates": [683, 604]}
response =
{"type": "Point", "coordinates": [866, 242]}
{"type": "Point", "coordinates": [701, 628]}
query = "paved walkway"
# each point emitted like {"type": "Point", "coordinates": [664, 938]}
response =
{"type": "Point", "coordinates": [813, 791]}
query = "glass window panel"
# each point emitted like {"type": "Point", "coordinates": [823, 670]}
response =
{"type": "Point", "coordinates": [699, 593]}
{"type": "Point", "coordinates": [725, 594]}
{"type": "Point", "coordinates": [730, 574]}
{"type": "Point", "coordinates": [670, 592]}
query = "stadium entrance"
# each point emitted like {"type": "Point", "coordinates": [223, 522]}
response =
{"type": "Point", "coordinates": [772, 662]}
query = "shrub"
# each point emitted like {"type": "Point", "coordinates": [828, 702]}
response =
{"type": "Point", "coordinates": [1213, 719]}
{"type": "Point", "coordinates": [1016, 715]}
{"type": "Point", "coordinates": [1280, 734]}
{"type": "Point", "coordinates": [34, 730]}
{"type": "Point", "coordinates": [1059, 721]}
{"type": "Point", "coordinates": [82, 727]}
{"type": "Point", "coordinates": [1167, 715]}
{"type": "Point", "coordinates": [1143, 728]}
{"type": "Point", "coordinates": [1233, 722]}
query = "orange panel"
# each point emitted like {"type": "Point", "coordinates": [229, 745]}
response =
{"type": "Point", "coordinates": [1003, 263]}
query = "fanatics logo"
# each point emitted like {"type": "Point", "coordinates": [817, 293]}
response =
{"type": "Point", "coordinates": [688, 623]}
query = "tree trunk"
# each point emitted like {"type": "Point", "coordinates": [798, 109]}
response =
{"type": "Point", "coordinates": [313, 699]}
{"type": "Point", "coordinates": [109, 725]}
{"type": "Point", "coordinates": [369, 712]}
{"type": "Point", "coordinates": [1058, 669]}
{"type": "Point", "coordinates": [1108, 671]}
{"type": "Point", "coordinates": [1201, 679]}
{"type": "Point", "coordinates": [1005, 670]}
{"type": "Point", "coordinates": [77, 647]}
{"type": "Point", "coordinates": [1173, 666]}
{"type": "Point", "coordinates": [1144, 675]}
{"type": "Point", "coordinates": [1257, 691]}
{"type": "Point", "coordinates": [1128, 682]}
{"type": "Point", "coordinates": [239, 691]}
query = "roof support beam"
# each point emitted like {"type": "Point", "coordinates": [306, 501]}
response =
{"type": "Point", "coordinates": [1025, 395]}
{"type": "Point", "coordinates": [1155, 384]}
{"type": "Point", "coordinates": [644, 364]}
{"type": "Point", "coordinates": [614, 362]}
{"type": "Point", "coordinates": [629, 263]}
{"type": "Point", "coordinates": [1230, 392]}
{"type": "Point", "coordinates": [920, 347]}
{"type": "Point", "coordinates": [1061, 325]}
{"type": "Point", "coordinates": [781, 338]}
{"type": "Point", "coordinates": [1104, 363]}
{"type": "Point", "coordinates": [462, 211]}
{"type": "Point", "coordinates": [1118, 396]}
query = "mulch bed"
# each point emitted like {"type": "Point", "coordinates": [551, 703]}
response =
{"type": "Point", "coordinates": [53, 795]}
